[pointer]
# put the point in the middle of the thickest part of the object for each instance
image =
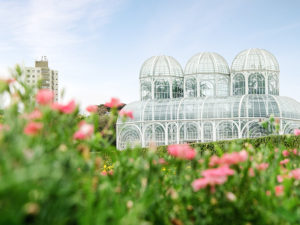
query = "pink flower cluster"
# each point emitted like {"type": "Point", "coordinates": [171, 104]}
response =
{"type": "Point", "coordinates": [182, 151]}
{"type": "Point", "coordinates": [64, 108]}
{"type": "Point", "coordinates": [92, 108]}
{"type": "Point", "coordinates": [262, 166]}
{"type": "Point", "coordinates": [44, 97]}
{"type": "Point", "coordinates": [126, 114]}
{"type": "Point", "coordinates": [229, 158]}
{"type": "Point", "coordinates": [212, 177]}
{"type": "Point", "coordinates": [218, 176]}
{"type": "Point", "coordinates": [297, 132]}
{"type": "Point", "coordinates": [296, 173]}
{"type": "Point", "coordinates": [114, 103]}
{"type": "Point", "coordinates": [33, 128]}
{"type": "Point", "coordinates": [85, 131]}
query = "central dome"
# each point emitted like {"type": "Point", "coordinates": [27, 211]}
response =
{"type": "Point", "coordinates": [207, 63]}
{"type": "Point", "coordinates": [254, 59]}
{"type": "Point", "coordinates": [158, 66]}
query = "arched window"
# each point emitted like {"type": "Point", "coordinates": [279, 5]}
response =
{"type": "Point", "coordinates": [172, 134]}
{"type": "Point", "coordinates": [129, 137]}
{"type": "Point", "coordinates": [256, 84]}
{"type": "Point", "coordinates": [238, 85]}
{"type": "Point", "coordinates": [177, 88]}
{"type": "Point", "coordinates": [188, 133]}
{"type": "Point", "coordinates": [146, 90]}
{"type": "Point", "coordinates": [273, 85]}
{"type": "Point", "coordinates": [253, 130]}
{"type": "Point", "coordinates": [162, 89]}
{"type": "Point", "coordinates": [191, 87]}
{"type": "Point", "coordinates": [227, 130]}
{"type": "Point", "coordinates": [206, 89]}
{"type": "Point", "coordinates": [156, 134]}
{"type": "Point", "coordinates": [207, 132]}
{"type": "Point", "coordinates": [222, 87]}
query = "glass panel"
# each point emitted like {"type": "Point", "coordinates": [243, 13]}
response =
{"type": "Point", "coordinates": [162, 89]}
{"type": "Point", "coordinates": [222, 87]}
{"type": "Point", "coordinates": [191, 87]}
{"type": "Point", "coordinates": [256, 84]}
{"type": "Point", "coordinates": [238, 85]}
{"type": "Point", "coordinates": [206, 89]}
{"type": "Point", "coordinates": [146, 90]}
{"type": "Point", "coordinates": [273, 85]}
{"type": "Point", "coordinates": [177, 88]}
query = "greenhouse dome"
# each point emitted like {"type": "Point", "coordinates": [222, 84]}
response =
{"type": "Point", "coordinates": [161, 77]}
{"type": "Point", "coordinates": [207, 74]}
{"type": "Point", "coordinates": [255, 59]}
{"type": "Point", "coordinates": [202, 118]}
{"type": "Point", "coordinates": [161, 66]}
{"type": "Point", "coordinates": [207, 63]}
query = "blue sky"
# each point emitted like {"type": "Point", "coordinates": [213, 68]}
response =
{"type": "Point", "coordinates": [98, 46]}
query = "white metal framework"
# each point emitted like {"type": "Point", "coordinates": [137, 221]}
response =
{"type": "Point", "coordinates": [218, 105]}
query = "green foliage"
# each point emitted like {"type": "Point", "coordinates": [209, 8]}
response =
{"type": "Point", "coordinates": [287, 141]}
{"type": "Point", "coordinates": [49, 177]}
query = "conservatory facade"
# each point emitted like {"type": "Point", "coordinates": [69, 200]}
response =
{"type": "Point", "coordinates": [207, 101]}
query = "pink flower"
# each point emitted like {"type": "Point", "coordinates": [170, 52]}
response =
{"type": "Point", "coordinates": [285, 153]}
{"type": "Point", "coordinates": [105, 173]}
{"type": "Point", "coordinates": [285, 161]}
{"type": "Point", "coordinates": [44, 96]}
{"type": "Point", "coordinates": [33, 128]}
{"type": "Point", "coordinates": [262, 166]}
{"type": "Point", "coordinates": [220, 171]}
{"type": "Point", "coordinates": [296, 173]}
{"type": "Point", "coordinates": [214, 160]}
{"type": "Point", "coordinates": [114, 103]}
{"type": "Point", "coordinates": [182, 151]}
{"type": "Point", "coordinates": [124, 113]}
{"type": "Point", "coordinates": [229, 158]}
{"type": "Point", "coordinates": [36, 114]}
{"type": "Point", "coordinates": [279, 190]}
{"type": "Point", "coordinates": [92, 108]}
{"type": "Point", "coordinates": [199, 184]}
{"type": "Point", "coordinates": [268, 192]}
{"type": "Point", "coordinates": [162, 161]}
{"type": "Point", "coordinates": [279, 178]}
{"type": "Point", "coordinates": [295, 152]}
{"type": "Point", "coordinates": [85, 131]}
{"type": "Point", "coordinates": [64, 108]}
{"type": "Point", "coordinates": [251, 172]}
{"type": "Point", "coordinates": [212, 177]}
{"type": "Point", "coordinates": [297, 132]}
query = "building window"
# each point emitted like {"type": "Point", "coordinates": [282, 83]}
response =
{"type": "Point", "coordinates": [222, 87]}
{"type": "Point", "coordinates": [273, 85]}
{"type": "Point", "coordinates": [206, 89]}
{"type": "Point", "coordinates": [146, 90]}
{"type": "Point", "coordinates": [177, 88]}
{"type": "Point", "coordinates": [162, 89]}
{"type": "Point", "coordinates": [238, 85]}
{"type": "Point", "coordinates": [256, 83]}
{"type": "Point", "coordinates": [191, 87]}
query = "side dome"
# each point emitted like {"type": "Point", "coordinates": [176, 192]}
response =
{"type": "Point", "coordinates": [161, 66]}
{"type": "Point", "coordinates": [255, 59]}
{"type": "Point", "coordinates": [207, 63]}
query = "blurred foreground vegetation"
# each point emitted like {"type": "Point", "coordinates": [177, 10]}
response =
{"type": "Point", "coordinates": [49, 175]}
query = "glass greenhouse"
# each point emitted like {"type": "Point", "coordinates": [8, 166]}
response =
{"type": "Point", "coordinates": [207, 101]}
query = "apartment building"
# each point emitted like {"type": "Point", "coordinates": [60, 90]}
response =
{"type": "Point", "coordinates": [47, 77]}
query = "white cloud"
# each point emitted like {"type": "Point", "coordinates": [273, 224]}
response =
{"type": "Point", "coordinates": [49, 26]}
